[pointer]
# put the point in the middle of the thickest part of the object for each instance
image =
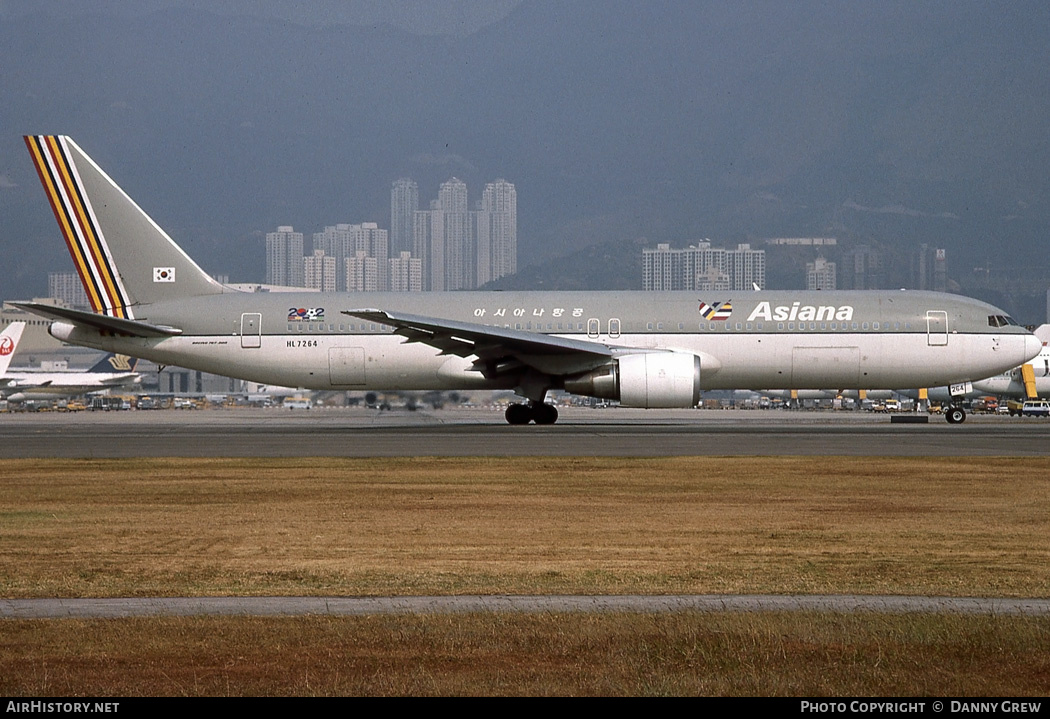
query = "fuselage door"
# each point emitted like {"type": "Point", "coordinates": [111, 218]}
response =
{"type": "Point", "coordinates": [614, 328]}
{"type": "Point", "coordinates": [936, 328]}
{"type": "Point", "coordinates": [251, 330]}
{"type": "Point", "coordinates": [593, 327]}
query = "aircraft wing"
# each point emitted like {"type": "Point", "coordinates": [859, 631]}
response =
{"type": "Point", "coordinates": [497, 349]}
{"type": "Point", "coordinates": [105, 323]}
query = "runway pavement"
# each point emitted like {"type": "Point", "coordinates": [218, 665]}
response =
{"type": "Point", "coordinates": [276, 432]}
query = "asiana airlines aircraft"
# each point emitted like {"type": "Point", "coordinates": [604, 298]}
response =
{"type": "Point", "coordinates": [643, 349]}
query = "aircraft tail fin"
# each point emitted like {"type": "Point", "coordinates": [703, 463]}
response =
{"type": "Point", "coordinates": [9, 343]}
{"type": "Point", "coordinates": [115, 364]}
{"type": "Point", "coordinates": [123, 257]}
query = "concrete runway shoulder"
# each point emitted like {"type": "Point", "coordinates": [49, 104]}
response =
{"type": "Point", "coordinates": [356, 606]}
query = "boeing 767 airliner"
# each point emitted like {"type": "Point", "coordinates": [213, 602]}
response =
{"type": "Point", "coordinates": [643, 349]}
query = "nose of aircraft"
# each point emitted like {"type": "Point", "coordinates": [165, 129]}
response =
{"type": "Point", "coordinates": [1032, 346]}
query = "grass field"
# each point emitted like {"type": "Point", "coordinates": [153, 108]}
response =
{"type": "Point", "coordinates": [932, 526]}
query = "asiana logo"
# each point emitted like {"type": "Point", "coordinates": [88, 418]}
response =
{"type": "Point", "coordinates": [717, 312]}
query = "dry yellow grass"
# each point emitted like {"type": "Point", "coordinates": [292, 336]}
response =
{"type": "Point", "coordinates": [967, 526]}
{"type": "Point", "coordinates": [963, 526]}
{"type": "Point", "coordinates": [798, 654]}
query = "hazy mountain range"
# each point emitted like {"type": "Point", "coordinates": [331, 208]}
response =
{"type": "Point", "coordinates": [892, 122]}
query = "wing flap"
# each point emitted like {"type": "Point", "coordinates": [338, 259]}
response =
{"type": "Point", "coordinates": [498, 349]}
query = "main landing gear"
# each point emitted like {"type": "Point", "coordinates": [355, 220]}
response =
{"type": "Point", "coordinates": [955, 414]}
{"type": "Point", "coordinates": [538, 412]}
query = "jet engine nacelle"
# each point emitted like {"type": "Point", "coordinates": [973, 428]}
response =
{"type": "Point", "coordinates": [646, 379]}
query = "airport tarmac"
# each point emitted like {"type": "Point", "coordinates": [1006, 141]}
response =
{"type": "Point", "coordinates": [476, 431]}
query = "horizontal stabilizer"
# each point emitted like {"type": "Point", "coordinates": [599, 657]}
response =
{"type": "Point", "coordinates": [104, 323]}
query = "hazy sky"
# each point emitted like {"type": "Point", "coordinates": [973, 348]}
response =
{"type": "Point", "coordinates": [424, 17]}
{"type": "Point", "coordinates": [670, 120]}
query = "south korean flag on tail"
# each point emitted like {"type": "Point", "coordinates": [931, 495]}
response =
{"type": "Point", "coordinates": [163, 274]}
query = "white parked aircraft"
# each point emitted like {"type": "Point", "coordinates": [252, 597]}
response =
{"type": "Point", "coordinates": [114, 371]}
{"type": "Point", "coordinates": [643, 349]}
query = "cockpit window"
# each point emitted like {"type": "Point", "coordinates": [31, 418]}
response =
{"type": "Point", "coordinates": [1001, 321]}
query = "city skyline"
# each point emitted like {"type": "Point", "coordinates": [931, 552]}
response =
{"type": "Point", "coordinates": [455, 247]}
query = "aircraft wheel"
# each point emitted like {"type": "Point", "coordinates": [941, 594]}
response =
{"type": "Point", "coordinates": [518, 414]}
{"type": "Point", "coordinates": [544, 413]}
{"type": "Point", "coordinates": [955, 415]}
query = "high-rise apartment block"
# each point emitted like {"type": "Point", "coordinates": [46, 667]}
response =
{"type": "Point", "coordinates": [861, 269]}
{"type": "Point", "coordinates": [448, 247]}
{"type": "Point", "coordinates": [346, 240]}
{"type": "Point", "coordinates": [67, 287]}
{"type": "Point", "coordinates": [284, 257]}
{"type": "Point", "coordinates": [820, 274]}
{"type": "Point", "coordinates": [319, 271]}
{"type": "Point", "coordinates": [362, 272]}
{"type": "Point", "coordinates": [406, 273]}
{"type": "Point", "coordinates": [931, 271]}
{"type": "Point", "coordinates": [496, 232]}
{"type": "Point", "coordinates": [404, 203]}
{"type": "Point", "coordinates": [701, 267]}
{"type": "Point", "coordinates": [462, 249]}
